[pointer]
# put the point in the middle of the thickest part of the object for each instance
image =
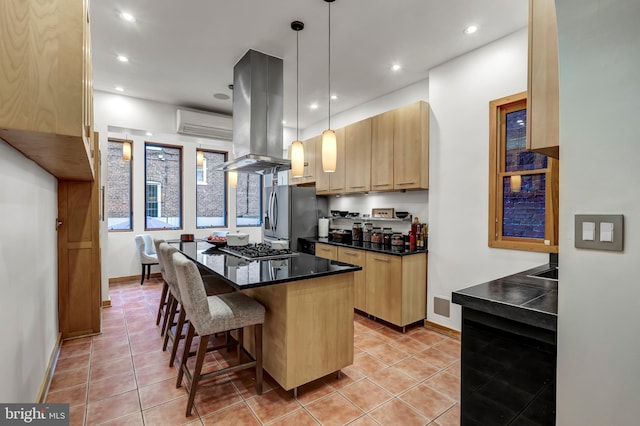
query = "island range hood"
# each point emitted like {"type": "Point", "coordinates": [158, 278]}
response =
{"type": "Point", "coordinates": [257, 115]}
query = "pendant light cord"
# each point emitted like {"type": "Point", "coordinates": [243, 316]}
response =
{"type": "Point", "coordinates": [329, 73]}
{"type": "Point", "coordinates": [297, 86]}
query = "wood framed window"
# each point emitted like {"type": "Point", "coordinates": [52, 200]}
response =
{"type": "Point", "coordinates": [523, 185]}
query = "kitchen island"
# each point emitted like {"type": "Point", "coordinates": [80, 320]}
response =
{"type": "Point", "coordinates": [308, 329]}
{"type": "Point", "coordinates": [508, 360]}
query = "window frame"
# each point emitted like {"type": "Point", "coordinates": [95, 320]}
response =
{"type": "Point", "coordinates": [497, 130]}
{"type": "Point", "coordinates": [180, 148]}
{"type": "Point", "coordinates": [226, 186]}
{"type": "Point", "coordinates": [131, 165]}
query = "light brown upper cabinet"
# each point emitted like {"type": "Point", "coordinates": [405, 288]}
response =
{"type": "Point", "coordinates": [358, 156]}
{"type": "Point", "coordinates": [382, 151]}
{"type": "Point", "coordinates": [309, 175]}
{"type": "Point", "coordinates": [334, 182]}
{"type": "Point", "coordinates": [543, 91]}
{"type": "Point", "coordinates": [411, 147]}
{"type": "Point", "coordinates": [46, 101]}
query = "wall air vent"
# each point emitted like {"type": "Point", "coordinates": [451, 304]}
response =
{"type": "Point", "coordinates": [204, 124]}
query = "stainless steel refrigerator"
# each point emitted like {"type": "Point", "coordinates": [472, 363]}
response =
{"type": "Point", "coordinates": [291, 212]}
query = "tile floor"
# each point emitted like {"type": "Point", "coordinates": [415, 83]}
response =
{"type": "Point", "coordinates": [122, 377]}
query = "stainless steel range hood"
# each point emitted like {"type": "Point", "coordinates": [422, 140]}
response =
{"type": "Point", "coordinates": [257, 115]}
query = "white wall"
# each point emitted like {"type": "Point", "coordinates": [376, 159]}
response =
{"type": "Point", "coordinates": [29, 274]}
{"type": "Point", "coordinates": [459, 95]}
{"type": "Point", "coordinates": [599, 300]}
{"type": "Point", "coordinates": [125, 117]}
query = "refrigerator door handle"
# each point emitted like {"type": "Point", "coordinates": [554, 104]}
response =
{"type": "Point", "coordinates": [270, 212]}
{"type": "Point", "coordinates": [275, 211]}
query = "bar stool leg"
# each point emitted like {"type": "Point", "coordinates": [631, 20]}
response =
{"type": "Point", "coordinates": [239, 345]}
{"type": "Point", "coordinates": [258, 343]}
{"type": "Point", "coordinates": [172, 315]}
{"type": "Point", "coordinates": [185, 354]}
{"type": "Point", "coordinates": [202, 351]}
{"type": "Point", "coordinates": [142, 275]}
{"type": "Point", "coordinates": [177, 336]}
{"type": "Point", "coordinates": [163, 301]}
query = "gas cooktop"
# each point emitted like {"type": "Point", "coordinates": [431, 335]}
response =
{"type": "Point", "coordinates": [258, 251]}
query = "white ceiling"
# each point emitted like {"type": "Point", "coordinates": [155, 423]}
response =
{"type": "Point", "coordinates": [183, 52]}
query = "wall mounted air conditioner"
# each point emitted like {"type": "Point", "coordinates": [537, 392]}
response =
{"type": "Point", "coordinates": [204, 124]}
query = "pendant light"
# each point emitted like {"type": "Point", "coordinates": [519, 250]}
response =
{"type": "Point", "coordinates": [233, 179]}
{"type": "Point", "coordinates": [199, 158]}
{"type": "Point", "coordinates": [126, 151]}
{"type": "Point", "coordinates": [329, 148]}
{"type": "Point", "coordinates": [297, 148]}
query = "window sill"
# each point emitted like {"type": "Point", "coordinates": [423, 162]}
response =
{"type": "Point", "coordinates": [525, 246]}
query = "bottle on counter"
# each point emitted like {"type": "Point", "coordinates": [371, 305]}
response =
{"type": "Point", "coordinates": [386, 236]}
{"type": "Point", "coordinates": [376, 236]}
{"type": "Point", "coordinates": [397, 239]}
{"type": "Point", "coordinates": [366, 232]}
{"type": "Point", "coordinates": [412, 240]}
{"type": "Point", "coordinates": [356, 232]}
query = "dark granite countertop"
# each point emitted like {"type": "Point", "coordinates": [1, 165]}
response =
{"type": "Point", "coordinates": [242, 274]}
{"type": "Point", "coordinates": [379, 248]}
{"type": "Point", "coordinates": [528, 300]}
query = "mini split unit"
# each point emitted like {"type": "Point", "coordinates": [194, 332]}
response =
{"type": "Point", "coordinates": [204, 124]}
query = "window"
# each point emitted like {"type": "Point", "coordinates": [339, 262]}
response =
{"type": "Point", "coordinates": [211, 195]}
{"type": "Point", "coordinates": [163, 186]}
{"type": "Point", "coordinates": [249, 200]}
{"type": "Point", "coordinates": [119, 185]}
{"type": "Point", "coordinates": [523, 185]}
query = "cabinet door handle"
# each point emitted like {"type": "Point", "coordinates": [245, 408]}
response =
{"type": "Point", "coordinates": [381, 259]}
{"type": "Point", "coordinates": [324, 249]}
{"type": "Point", "coordinates": [381, 184]}
{"type": "Point", "coordinates": [405, 183]}
{"type": "Point", "coordinates": [361, 186]}
{"type": "Point", "coordinates": [350, 253]}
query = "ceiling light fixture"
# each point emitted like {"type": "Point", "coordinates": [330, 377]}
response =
{"type": "Point", "coordinates": [396, 67]}
{"type": "Point", "coordinates": [199, 158]}
{"type": "Point", "coordinates": [313, 106]}
{"type": "Point", "coordinates": [123, 58]}
{"type": "Point", "coordinates": [119, 89]}
{"type": "Point", "coordinates": [471, 29]}
{"type": "Point", "coordinates": [297, 148]}
{"type": "Point", "coordinates": [334, 97]}
{"type": "Point", "coordinates": [329, 148]}
{"type": "Point", "coordinates": [126, 16]}
{"type": "Point", "coordinates": [233, 179]}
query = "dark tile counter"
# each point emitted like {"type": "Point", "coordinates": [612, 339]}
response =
{"type": "Point", "coordinates": [243, 274]}
{"type": "Point", "coordinates": [508, 360]}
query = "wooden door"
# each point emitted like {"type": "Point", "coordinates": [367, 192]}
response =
{"type": "Point", "coordinates": [382, 151]}
{"type": "Point", "coordinates": [356, 257]}
{"type": "Point", "coordinates": [79, 276]}
{"type": "Point", "coordinates": [358, 156]}
{"type": "Point", "coordinates": [411, 147]}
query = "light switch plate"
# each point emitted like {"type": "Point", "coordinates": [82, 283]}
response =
{"type": "Point", "coordinates": [609, 232]}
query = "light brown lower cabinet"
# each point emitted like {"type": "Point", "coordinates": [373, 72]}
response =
{"type": "Point", "coordinates": [396, 287]}
{"type": "Point", "coordinates": [392, 288]}
{"type": "Point", "coordinates": [356, 257]}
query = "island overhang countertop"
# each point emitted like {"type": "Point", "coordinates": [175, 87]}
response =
{"type": "Point", "coordinates": [243, 274]}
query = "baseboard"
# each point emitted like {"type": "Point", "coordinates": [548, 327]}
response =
{"type": "Point", "coordinates": [442, 329]}
{"type": "Point", "coordinates": [48, 374]}
{"type": "Point", "coordinates": [133, 278]}
{"type": "Point", "coordinates": [106, 303]}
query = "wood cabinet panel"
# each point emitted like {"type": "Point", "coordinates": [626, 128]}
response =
{"type": "Point", "coordinates": [414, 288]}
{"type": "Point", "coordinates": [356, 257]}
{"type": "Point", "coordinates": [327, 251]}
{"type": "Point", "coordinates": [358, 156]}
{"type": "Point", "coordinates": [46, 106]}
{"type": "Point", "coordinates": [384, 286]}
{"type": "Point", "coordinates": [411, 147]}
{"type": "Point", "coordinates": [543, 125]}
{"type": "Point", "coordinates": [382, 151]}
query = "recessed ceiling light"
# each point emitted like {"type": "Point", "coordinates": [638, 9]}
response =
{"type": "Point", "coordinates": [119, 89]}
{"type": "Point", "coordinates": [396, 67]}
{"type": "Point", "coordinates": [128, 17]}
{"type": "Point", "coordinates": [123, 58]}
{"type": "Point", "coordinates": [470, 29]}
{"type": "Point", "coordinates": [221, 96]}
{"type": "Point", "coordinates": [334, 97]}
{"type": "Point", "coordinates": [149, 134]}
{"type": "Point", "coordinates": [284, 122]}
{"type": "Point", "coordinates": [313, 106]}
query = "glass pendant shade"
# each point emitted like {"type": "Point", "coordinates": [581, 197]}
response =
{"type": "Point", "coordinates": [200, 158]}
{"type": "Point", "coordinates": [126, 151]}
{"type": "Point", "coordinates": [297, 159]}
{"type": "Point", "coordinates": [329, 151]}
{"type": "Point", "coordinates": [233, 179]}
